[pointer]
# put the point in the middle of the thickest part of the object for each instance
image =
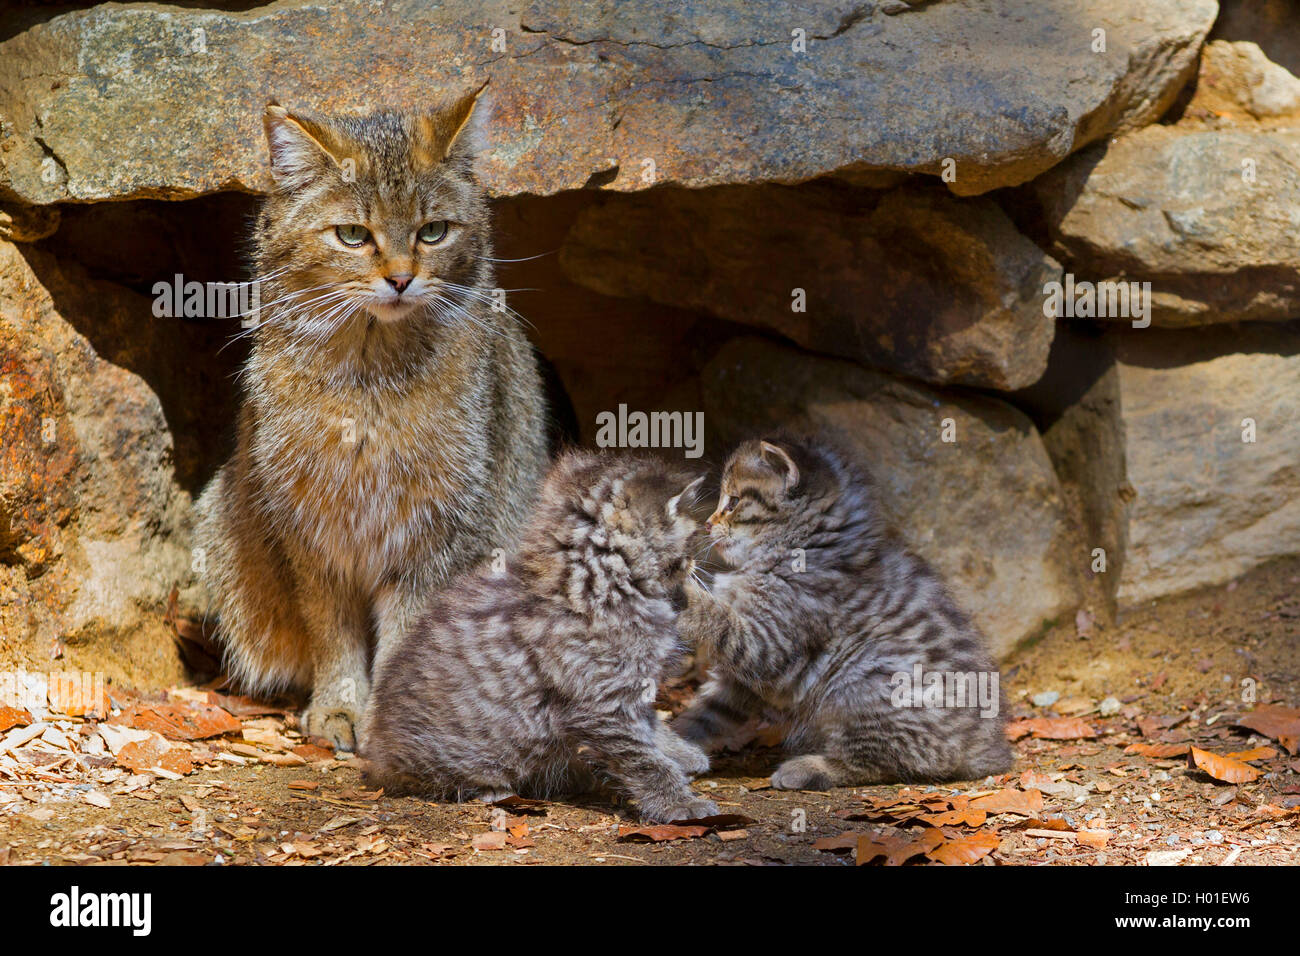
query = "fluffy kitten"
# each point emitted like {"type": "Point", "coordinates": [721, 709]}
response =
{"type": "Point", "coordinates": [392, 432]}
{"type": "Point", "coordinates": [518, 677]}
{"type": "Point", "coordinates": [821, 612]}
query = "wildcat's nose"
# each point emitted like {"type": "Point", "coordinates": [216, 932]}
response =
{"type": "Point", "coordinates": [399, 281]}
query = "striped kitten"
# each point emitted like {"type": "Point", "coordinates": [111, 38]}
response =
{"type": "Point", "coordinates": [829, 620]}
{"type": "Point", "coordinates": [512, 672]}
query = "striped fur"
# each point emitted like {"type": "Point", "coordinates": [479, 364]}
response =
{"type": "Point", "coordinates": [387, 441]}
{"type": "Point", "coordinates": [821, 646]}
{"type": "Point", "coordinates": [520, 679]}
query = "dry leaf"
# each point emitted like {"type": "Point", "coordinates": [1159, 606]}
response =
{"type": "Point", "coordinates": [154, 754]}
{"type": "Point", "coordinates": [492, 840]}
{"type": "Point", "coordinates": [1027, 803]}
{"type": "Point", "coordinates": [1158, 751]}
{"type": "Point", "coordinates": [1222, 768]}
{"type": "Point", "coordinates": [1280, 723]}
{"type": "Point", "coordinates": [1258, 753]}
{"type": "Point", "coordinates": [13, 717]}
{"type": "Point", "coordinates": [1051, 728]}
{"type": "Point", "coordinates": [180, 721]}
{"type": "Point", "coordinates": [969, 817]}
{"type": "Point", "coordinates": [896, 848]}
{"type": "Point", "coordinates": [661, 833]}
{"type": "Point", "coordinates": [964, 850]}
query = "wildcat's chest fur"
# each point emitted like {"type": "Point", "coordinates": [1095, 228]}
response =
{"type": "Point", "coordinates": [368, 475]}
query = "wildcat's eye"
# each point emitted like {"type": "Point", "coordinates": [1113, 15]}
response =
{"type": "Point", "coordinates": [432, 232]}
{"type": "Point", "coordinates": [730, 506]}
{"type": "Point", "coordinates": [352, 234]}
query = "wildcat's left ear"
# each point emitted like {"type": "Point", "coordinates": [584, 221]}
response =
{"type": "Point", "coordinates": [675, 501]}
{"type": "Point", "coordinates": [457, 128]}
{"type": "Point", "coordinates": [779, 459]}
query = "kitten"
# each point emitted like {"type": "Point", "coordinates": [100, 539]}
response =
{"type": "Point", "coordinates": [392, 432]}
{"type": "Point", "coordinates": [516, 679]}
{"type": "Point", "coordinates": [824, 618]}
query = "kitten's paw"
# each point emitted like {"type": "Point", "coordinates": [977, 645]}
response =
{"type": "Point", "coordinates": [695, 732]}
{"type": "Point", "coordinates": [492, 795]}
{"type": "Point", "coordinates": [666, 811]}
{"type": "Point", "coordinates": [690, 758]}
{"type": "Point", "coordinates": [336, 724]}
{"type": "Point", "coordinates": [809, 772]}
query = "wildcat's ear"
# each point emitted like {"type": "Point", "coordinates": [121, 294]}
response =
{"type": "Point", "coordinates": [781, 461]}
{"type": "Point", "coordinates": [457, 128]}
{"type": "Point", "coordinates": [298, 147]}
{"type": "Point", "coordinates": [675, 501]}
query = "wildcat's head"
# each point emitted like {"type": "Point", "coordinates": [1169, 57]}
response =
{"type": "Point", "coordinates": [377, 215]}
{"type": "Point", "coordinates": [776, 496]}
{"type": "Point", "coordinates": [617, 526]}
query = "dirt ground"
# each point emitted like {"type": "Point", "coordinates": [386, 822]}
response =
{"type": "Point", "coordinates": [1172, 674]}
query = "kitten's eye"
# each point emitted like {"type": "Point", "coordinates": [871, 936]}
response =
{"type": "Point", "coordinates": [432, 232]}
{"type": "Point", "coordinates": [352, 234]}
{"type": "Point", "coordinates": [732, 501]}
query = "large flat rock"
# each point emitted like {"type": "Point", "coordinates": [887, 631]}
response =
{"type": "Point", "coordinates": [1210, 505]}
{"type": "Point", "coordinates": [986, 509]}
{"type": "Point", "coordinates": [915, 281]}
{"type": "Point", "coordinates": [138, 100]}
{"type": "Point", "coordinates": [1204, 209]}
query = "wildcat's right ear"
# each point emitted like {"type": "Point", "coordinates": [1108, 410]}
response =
{"type": "Point", "coordinates": [455, 131]}
{"type": "Point", "coordinates": [297, 153]}
{"type": "Point", "coordinates": [780, 459]}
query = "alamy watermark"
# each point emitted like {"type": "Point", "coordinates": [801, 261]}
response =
{"type": "Point", "coordinates": [946, 690]}
{"type": "Point", "coordinates": [624, 429]}
{"type": "Point", "coordinates": [1107, 299]}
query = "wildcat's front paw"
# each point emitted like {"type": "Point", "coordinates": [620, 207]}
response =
{"type": "Point", "coordinates": [337, 724]}
{"type": "Point", "coordinates": [666, 811]}
{"type": "Point", "coordinates": [809, 772]}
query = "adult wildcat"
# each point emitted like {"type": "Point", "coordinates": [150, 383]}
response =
{"type": "Point", "coordinates": [392, 431]}
{"type": "Point", "coordinates": [822, 617]}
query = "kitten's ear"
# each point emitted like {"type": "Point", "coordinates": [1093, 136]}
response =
{"type": "Point", "coordinates": [297, 144]}
{"type": "Point", "coordinates": [458, 128]}
{"type": "Point", "coordinates": [675, 501]}
{"type": "Point", "coordinates": [781, 461]}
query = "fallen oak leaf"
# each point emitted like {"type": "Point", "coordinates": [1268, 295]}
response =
{"type": "Point", "coordinates": [1158, 751]}
{"type": "Point", "coordinates": [14, 717]}
{"type": "Point", "coordinates": [660, 833]}
{"type": "Point", "coordinates": [180, 722]}
{"type": "Point", "coordinates": [965, 850]}
{"type": "Point", "coordinates": [1221, 768]}
{"type": "Point", "coordinates": [896, 848]}
{"type": "Point", "coordinates": [518, 804]}
{"type": "Point", "coordinates": [1280, 723]}
{"type": "Point", "coordinates": [969, 817]}
{"type": "Point", "coordinates": [1051, 728]}
{"type": "Point", "coordinates": [1026, 803]}
{"type": "Point", "coordinates": [1257, 753]}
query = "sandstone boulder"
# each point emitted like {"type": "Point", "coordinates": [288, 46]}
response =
{"type": "Point", "coordinates": [141, 101]}
{"type": "Point", "coordinates": [912, 280]}
{"type": "Point", "coordinates": [93, 527]}
{"type": "Point", "coordinates": [1204, 210]}
{"type": "Point", "coordinates": [985, 509]}
{"type": "Point", "coordinates": [1212, 451]}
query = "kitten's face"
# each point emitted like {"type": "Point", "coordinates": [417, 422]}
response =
{"type": "Point", "coordinates": [652, 506]}
{"type": "Point", "coordinates": [375, 216]}
{"type": "Point", "coordinates": [755, 505]}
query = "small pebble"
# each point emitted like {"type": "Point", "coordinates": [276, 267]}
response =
{"type": "Point", "coordinates": [1109, 707]}
{"type": "Point", "coordinates": [1046, 699]}
{"type": "Point", "coordinates": [1214, 836]}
